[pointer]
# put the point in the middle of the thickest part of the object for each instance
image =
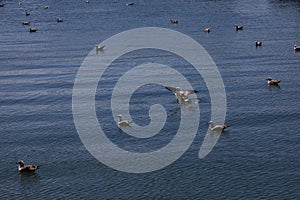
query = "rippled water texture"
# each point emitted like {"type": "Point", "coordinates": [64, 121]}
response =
{"type": "Point", "coordinates": [256, 158]}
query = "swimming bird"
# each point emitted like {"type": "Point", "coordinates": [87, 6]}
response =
{"type": "Point", "coordinates": [27, 13]}
{"type": "Point", "coordinates": [296, 48]}
{"type": "Point", "coordinates": [27, 168]}
{"type": "Point", "coordinates": [99, 47]}
{"type": "Point", "coordinates": [207, 30]}
{"type": "Point", "coordinates": [217, 127]}
{"type": "Point", "coordinates": [59, 20]}
{"type": "Point", "coordinates": [237, 27]}
{"type": "Point", "coordinates": [32, 30]}
{"type": "Point", "coordinates": [174, 21]}
{"type": "Point", "coordinates": [130, 4]}
{"type": "Point", "coordinates": [87, 1]}
{"type": "Point", "coordinates": [46, 7]}
{"type": "Point", "coordinates": [2, 4]}
{"type": "Point", "coordinates": [122, 123]}
{"type": "Point", "coordinates": [272, 81]}
{"type": "Point", "coordinates": [258, 43]}
{"type": "Point", "coordinates": [182, 96]}
{"type": "Point", "coordinates": [26, 23]}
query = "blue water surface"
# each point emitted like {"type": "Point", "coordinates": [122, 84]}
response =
{"type": "Point", "coordinates": [256, 158]}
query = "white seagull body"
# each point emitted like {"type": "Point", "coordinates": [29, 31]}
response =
{"type": "Point", "coordinates": [122, 123]}
{"type": "Point", "coordinates": [182, 96]}
{"type": "Point", "coordinates": [217, 127]}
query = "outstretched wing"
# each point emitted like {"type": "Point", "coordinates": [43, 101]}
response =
{"type": "Point", "coordinates": [174, 90]}
{"type": "Point", "coordinates": [188, 92]}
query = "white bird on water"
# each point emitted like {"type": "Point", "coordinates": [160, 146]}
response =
{"type": "Point", "coordinates": [217, 127]}
{"type": "Point", "coordinates": [181, 95]}
{"type": "Point", "coordinates": [122, 122]}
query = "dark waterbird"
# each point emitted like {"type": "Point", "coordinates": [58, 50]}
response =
{"type": "Point", "coordinates": [59, 20]}
{"type": "Point", "coordinates": [31, 30]}
{"type": "Point", "coordinates": [174, 21]}
{"type": "Point", "coordinates": [27, 168]}
{"type": "Point", "coordinates": [238, 27]}
{"type": "Point", "coordinates": [26, 23]}
{"type": "Point", "coordinates": [273, 81]}
{"type": "Point", "coordinates": [258, 43]}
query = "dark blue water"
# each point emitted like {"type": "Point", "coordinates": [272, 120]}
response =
{"type": "Point", "coordinates": [256, 158]}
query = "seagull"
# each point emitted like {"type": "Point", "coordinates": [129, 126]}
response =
{"type": "Point", "coordinates": [59, 20]}
{"type": "Point", "coordinates": [217, 127]}
{"type": "Point", "coordinates": [296, 48]}
{"type": "Point", "coordinates": [207, 30]}
{"type": "Point", "coordinates": [27, 13]}
{"type": "Point", "coordinates": [99, 47]}
{"type": "Point", "coordinates": [32, 30]}
{"type": "Point", "coordinates": [272, 81]}
{"type": "Point", "coordinates": [27, 168]}
{"type": "Point", "coordinates": [130, 4]}
{"type": "Point", "coordinates": [181, 95]}
{"type": "Point", "coordinates": [258, 43]}
{"type": "Point", "coordinates": [26, 23]}
{"type": "Point", "coordinates": [122, 123]}
{"type": "Point", "coordinates": [174, 21]}
{"type": "Point", "coordinates": [237, 27]}
{"type": "Point", "coordinates": [46, 7]}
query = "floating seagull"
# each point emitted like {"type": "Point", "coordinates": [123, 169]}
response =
{"type": "Point", "coordinates": [174, 21]}
{"type": "Point", "coordinates": [237, 27]}
{"type": "Point", "coordinates": [100, 47]}
{"type": "Point", "coordinates": [273, 82]}
{"type": "Point", "coordinates": [2, 5]}
{"type": "Point", "coordinates": [26, 23]}
{"type": "Point", "coordinates": [217, 127]}
{"type": "Point", "coordinates": [46, 7]}
{"type": "Point", "coordinates": [32, 30]}
{"type": "Point", "coordinates": [207, 30]}
{"type": "Point", "coordinates": [258, 43]}
{"type": "Point", "coordinates": [130, 4]}
{"type": "Point", "coordinates": [27, 168]}
{"type": "Point", "coordinates": [59, 20]}
{"type": "Point", "coordinates": [27, 13]}
{"type": "Point", "coordinates": [296, 48]}
{"type": "Point", "coordinates": [87, 1]}
{"type": "Point", "coordinates": [122, 123]}
{"type": "Point", "coordinates": [181, 95]}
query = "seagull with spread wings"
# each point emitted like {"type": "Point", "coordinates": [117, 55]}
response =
{"type": "Point", "coordinates": [181, 95]}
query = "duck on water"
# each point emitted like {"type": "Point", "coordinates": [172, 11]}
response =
{"type": "Point", "coordinates": [27, 168]}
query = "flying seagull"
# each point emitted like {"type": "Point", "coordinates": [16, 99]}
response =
{"type": "Point", "coordinates": [180, 94]}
